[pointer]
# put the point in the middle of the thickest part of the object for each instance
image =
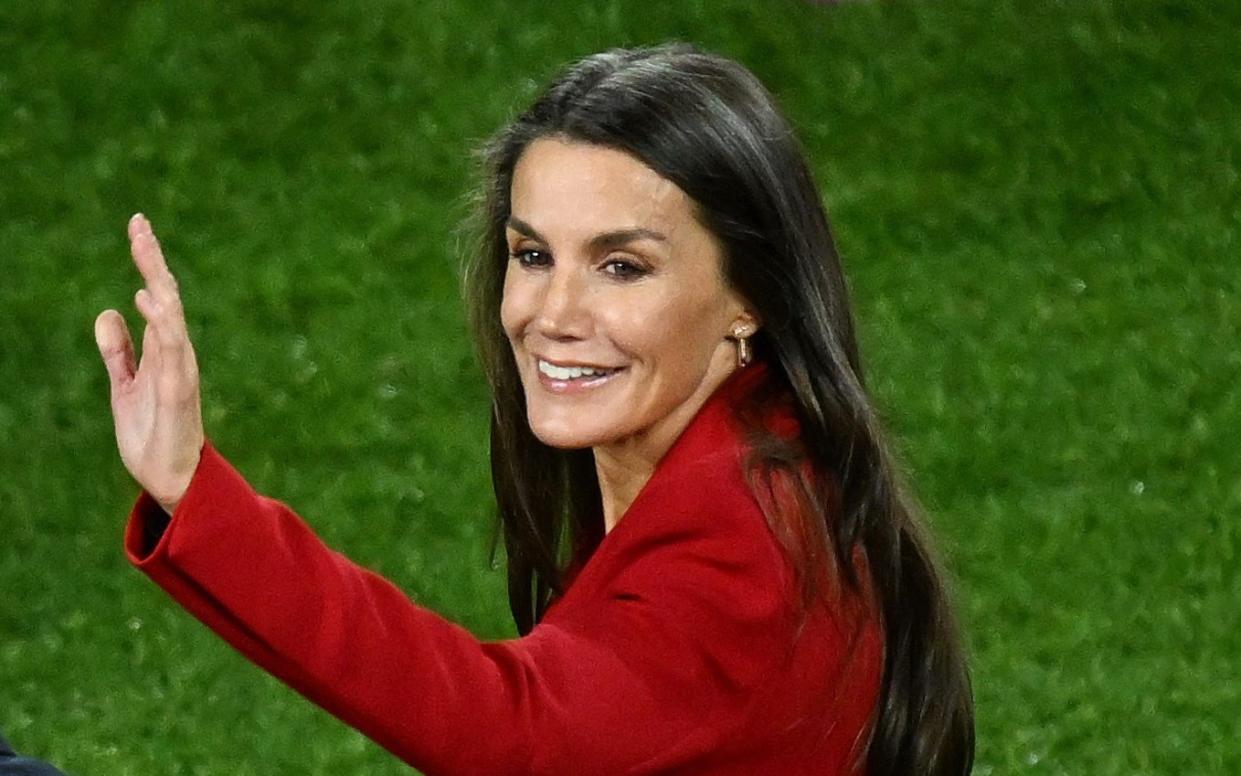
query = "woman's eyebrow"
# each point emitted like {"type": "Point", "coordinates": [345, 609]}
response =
{"type": "Point", "coordinates": [602, 240]}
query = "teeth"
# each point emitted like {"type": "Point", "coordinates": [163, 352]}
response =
{"type": "Point", "coordinates": [569, 372]}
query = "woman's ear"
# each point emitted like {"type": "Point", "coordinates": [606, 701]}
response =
{"type": "Point", "coordinates": [744, 324]}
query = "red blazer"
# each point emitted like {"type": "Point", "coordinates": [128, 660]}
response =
{"type": "Point", "coordinates": [674, 650]}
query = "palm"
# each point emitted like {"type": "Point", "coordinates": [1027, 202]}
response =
{"type": "Point", "coordinates": [133, 413]}
{"type": "Point", "coordinates": [155, 406]}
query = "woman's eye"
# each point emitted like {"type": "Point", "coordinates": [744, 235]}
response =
{"type": "Point", "coordinates": [530, 258]}
{"type": "Point", "coordinates": [624, 269]}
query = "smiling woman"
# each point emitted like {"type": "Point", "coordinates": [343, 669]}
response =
{"type": "Point", "coordinates": [712, 564]}
{"type": "Point", "coordinates": [618, 261]}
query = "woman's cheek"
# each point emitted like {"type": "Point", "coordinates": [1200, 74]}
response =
{"type": "Point", "coordinates": [634, 328]}
{"type": "Point", "coordinates": [512, 309]}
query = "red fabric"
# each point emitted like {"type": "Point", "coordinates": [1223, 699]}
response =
{"type": "Point", "coordinates": [674, 650]}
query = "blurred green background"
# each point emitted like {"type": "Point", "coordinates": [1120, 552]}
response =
{"type": "Point", "coordinates": [1038, 207]}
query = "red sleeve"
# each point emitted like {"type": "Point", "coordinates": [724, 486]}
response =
{"type": "Point", "coordinates": [652, 670]}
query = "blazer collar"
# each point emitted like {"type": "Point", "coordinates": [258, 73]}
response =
{"type": "Point", "coordinates": [714, 429]}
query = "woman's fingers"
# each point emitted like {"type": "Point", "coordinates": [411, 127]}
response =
{"type": "Point", "coordinates": [150, 260]}
{"type": "Point", "coordinates": [167, 356]}
{"type": "Point", "coordinates": [152, 341]}
{"type": "Point", "coordinates": [116, 347]}
{"type": "Point", "coordinates": [135, 225]}
{"type": "Point", "coordinates": [146, 252]}
{"type": "Point", "coordinates": [163, 309]}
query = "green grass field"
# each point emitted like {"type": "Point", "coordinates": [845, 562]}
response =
{"type": "Point", "coordinates": [1038, 205]}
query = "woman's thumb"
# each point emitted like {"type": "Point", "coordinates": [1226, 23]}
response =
{"type": "Point", "coordinates": [112, 337]}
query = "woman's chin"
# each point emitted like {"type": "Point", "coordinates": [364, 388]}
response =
{"type": "Point", "coordinates": [563, 439]}
{"type": "Point", "coordinates": [568, 433]}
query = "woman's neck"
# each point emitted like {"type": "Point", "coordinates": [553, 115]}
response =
{"type": "Point", "coordinates": [622, 473]}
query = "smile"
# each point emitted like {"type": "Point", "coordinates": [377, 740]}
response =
{"type": "Point", "coordinates": [559, 379]}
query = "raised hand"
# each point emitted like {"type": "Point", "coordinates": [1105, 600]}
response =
{"type": "Point", "coordinates": [156, 406]}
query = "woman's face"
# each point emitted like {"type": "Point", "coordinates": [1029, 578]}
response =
{"type": "Point", "coordinates": [614, 298]}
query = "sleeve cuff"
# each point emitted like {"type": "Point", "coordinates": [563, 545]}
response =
{"type": "Point", "coordinates": [149, 527]}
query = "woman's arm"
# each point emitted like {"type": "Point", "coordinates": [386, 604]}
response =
{"type": "Point", "coordinates": [647, 674]}
{"type": "Point", "coordinates": [253, 572]}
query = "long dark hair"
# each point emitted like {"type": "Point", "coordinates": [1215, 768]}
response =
{"type": "Point", "coordinates": [708, 125]}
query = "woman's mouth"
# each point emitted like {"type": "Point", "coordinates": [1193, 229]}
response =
{"type": "Point", "coordinates": [567, 378]}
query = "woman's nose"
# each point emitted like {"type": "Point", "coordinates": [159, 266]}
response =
{"type": "Point", "coordinates": [563, 312]}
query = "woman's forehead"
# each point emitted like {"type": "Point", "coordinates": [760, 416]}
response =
{"type": "Point", "coordinates": [570, 188]}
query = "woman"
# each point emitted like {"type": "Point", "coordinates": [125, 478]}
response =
{"type": "Point", "coordinates": [712, 563]}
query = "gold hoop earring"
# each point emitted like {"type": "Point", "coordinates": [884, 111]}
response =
{"type": "Point", "coordinates": [744, 353]}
